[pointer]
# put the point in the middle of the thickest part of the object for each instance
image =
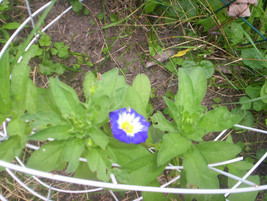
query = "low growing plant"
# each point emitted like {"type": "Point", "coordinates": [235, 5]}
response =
{"type": "Point", "coordinates": [70, 129]}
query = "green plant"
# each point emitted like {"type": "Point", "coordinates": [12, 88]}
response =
{"type": "Point", "coordinates": [81, 59]}
{"type": "Point", "coordinates": [61, 50]}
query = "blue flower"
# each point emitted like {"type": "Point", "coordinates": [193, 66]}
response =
{"type": "Point", "coordinates": [128, 126]}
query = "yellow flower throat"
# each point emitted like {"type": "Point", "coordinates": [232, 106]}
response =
{"type": "Point", "coordinates": [127, 127]}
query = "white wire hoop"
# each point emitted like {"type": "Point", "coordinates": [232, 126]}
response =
{"type": "Point", "coordinates": [98, 186]}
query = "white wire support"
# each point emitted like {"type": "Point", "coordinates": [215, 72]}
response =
{"type": "Point", "coordinates": [251, 129]}
{"type": "Point", "coordinates": [210, 165]}
{"type": "Point", "coordinates": [126, 186]}
{"type": "Point", "coordinates": [249, 172]}
{"type": "Point", "coordinates": [24, 185]}
{"type": "Point", "coordinates": [21, 27]}
{"type": "Point", "coordinates": [220, 135]}
{"type": "Point", "coordinates": [46, 27]}
{"type": "Point", "coordinates": [30, 13]}
{"type": "Point", "coordinates": [58, 189]}
{"type": "Point", "coordinates": [2, 198]}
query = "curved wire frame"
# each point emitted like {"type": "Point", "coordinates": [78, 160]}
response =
{"type": "Point", "coordinates": [115, 185]}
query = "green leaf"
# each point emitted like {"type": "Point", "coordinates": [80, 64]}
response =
{"type": "Point", "coordinates": [247, 105]}
{"type": "Point", "coordinates": [16, 127]}
{"type": "Point", "coordinates": [72, 153]}
{"type": "Point", "coordinates": [100, 161]}
{"type": "Point", "coordinates": [257, 105]}
{"type": "Point", "coordinates": [99, 137]}
{"type": "Point", "coordinates": [246, 118]}
{"type": "Point", "coordinates": [31, 97]}
{"type": "Point", "coordinates": [147, 196]}
{"type": "Point", "coordinates": [48, 157]}
{"type": "Point", "coordinates": [11, 25]}
{"type": "Point", "coordinates": [89, 85]}
{"type": "Point", "coordinates": [133, 100]}
{"type": "Point", "coordinates": [185, 95]}
{"type": "Point", "coordinates": [156, 134]}
{"type": "Point", "coordinates": [77, 6]}
{"type": "Point", "coordinates": [173, 109]}
{"type": "Point", "coordinates": [234, 31]}
{"type": "Point", "coordinates": [252, 53]}
{"type": "Point", "coordinates": [100, 109]}
{"type": "Point", "coordinates": [150, 7]}
{"type": "Point", "coordinates": [65, 97]}
{"type": "Point", "coordinates": [109, 83]}
{"type": "Point", "coordinates": [143, 170]}
{"type": "Point", "coordinates": [244, 196]}
{"type": "Point", "coordinates": [113, 17]}
{"type": "Point", "coordinates": [178, 144]}
{"type": "Point", "coordinates": [199, 82]}
{"type": "Point", "coordinates": [100, 16]}
{"type": "Point", "coordinates": [218, 119]}
{"type": "Point", "coordinates": [47, 67]}
{"type": "Point", "coordinates": [45, 40]}
{"type": "Point", "coordinates": [205, 65]}
{"type": "Point", "coordinates": [125, 153]}
{"type": "Point", "coordinates": [141, 84]}
{"type": "Point", "coordinates": [197, 171]}
{"type": "Point", "coordinates": [86, 11]}
{"type": "Point", "coordinates": [20, 78]}
{"type": "Point", "coordinates": [253, 92]}
{"type": "Point", "coordinates": [263, 92]}
{"type": "Point", "coordinates": [84, 172]}
{"type": "Point", "coordinates": [218, 151]}
{"type": "Point", "coordinates": [5, 101]}
{"type": "Point", "coordinates": [42, 119]}
{"type": "Point", "coordinates": [162, 123]}
{"type": "Point", "coordinates": [59, 132]}
{"type": "Point", "coordinates": [10, 148]}
{"type": "Point", "coordinates": [240, 169]}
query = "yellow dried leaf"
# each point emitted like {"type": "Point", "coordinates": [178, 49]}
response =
{"type": "Point", "coordinates": [181, 53]}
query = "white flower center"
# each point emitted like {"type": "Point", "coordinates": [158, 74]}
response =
{"type": "Point", "coordinates": [129, 123]}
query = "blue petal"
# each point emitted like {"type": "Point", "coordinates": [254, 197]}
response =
{"type": "Point", "coordinates": [120, 134]}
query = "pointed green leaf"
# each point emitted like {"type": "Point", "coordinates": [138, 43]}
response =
{"type": "Point", "coordinates": [125, 153]}
{"type": "Point", "coordinates": [19, 80]}
{"type": "Point", "coordinates": [218, 119]}
{"type": "Point", "coordinates": [10, 148]}
{"type": "Point", "coordinates": [173, 145]}
{"type": "Point", "coordinates": [199, 82]}
{"type": "Point", "coordinates": [42, 119]}
{"type": "Point", "coordinates": [218, 151]}
{"type": "Point", "coordinates": [197, 171]}
{"type": "Point", "coordinates": [173, 109]}
{"type": "Point", "coordinates": [48, 157]}
{"type": "Point", "coordinates": [84, 172]}
{"type": "Point", "coordinates": [72, 153]}
{"type": "Point", "coordinates": [99, 137]}
{"type": "Point", "coordinates": [59, 132]}
{"type": "Point", "coordinates": [141, 84]}
{"type": "Point", "coordinates": [16, 127]}
{"type": "Point", "coordinates": [263, 92]}
{"type": "Point", "coordinates": [162, 123]}
{"type": "Point", "coordinates": [5, 101]}
{"type": "Point", "coordinates": [134, 101]}
{"type": "Point", "coordinates": [143, 170]}
{"type": "Point", "coordinates": [64, 96]}
{"type": "Point", "coordinates": [89, 85]}
{"type": "Point", "coordinates": [31, 97]}
{"type": "Point", "coordinates": [185, 95]}
{"type": "Point", "coordinates": [100, 161]}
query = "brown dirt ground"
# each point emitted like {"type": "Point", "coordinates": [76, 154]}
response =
{"type": "Point", "coordinates": [129, 54]}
